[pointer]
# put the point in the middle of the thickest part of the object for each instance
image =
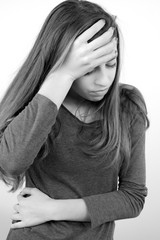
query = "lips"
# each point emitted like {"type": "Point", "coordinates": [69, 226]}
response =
{"type": "Point", "coordinates": [100, 91]}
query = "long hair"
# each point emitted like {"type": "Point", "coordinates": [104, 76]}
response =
{"type": "Point", "coordinates": [62, 26]}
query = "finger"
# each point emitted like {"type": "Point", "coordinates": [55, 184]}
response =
{"type": "Point", "coordinates": [20, 197]}
{"type": "Point", "coordinates": [105, 59]}
{"type": "Point", "coordinates": [18, 224]}
{"type": "Point", "coordinates": [91, 31]}
{"type": "Point", "coordinates": [16, 217]}
{"type": "Point", "coordinates": [106, 49]}
{"type": "Point", "coordinates": [16, 207]}
{"type": "Point", "coordinates": [101, 40]}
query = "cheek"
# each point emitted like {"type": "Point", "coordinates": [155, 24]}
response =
{"type": "Point", "coordinates": [81, 85]}
{"type": "Point", "coordinates": [112, 76]}
{"type": "Point", "coordinates": [113, 73]}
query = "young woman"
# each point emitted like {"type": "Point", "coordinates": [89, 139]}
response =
{"type": "Point", "coordinates": [73, 131]}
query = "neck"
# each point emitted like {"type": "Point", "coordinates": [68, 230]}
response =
{"type": "Point", "coordinates": [83, 109]}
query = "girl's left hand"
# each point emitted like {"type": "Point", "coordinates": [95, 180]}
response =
{"type": "Point", "coordinates": [33, 208]}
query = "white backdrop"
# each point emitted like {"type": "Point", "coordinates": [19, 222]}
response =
{"type": "Point", "coordinates": [20, 22]}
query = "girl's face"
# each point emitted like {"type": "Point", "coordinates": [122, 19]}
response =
{"type": "Point", "coordinates": [94, 85]}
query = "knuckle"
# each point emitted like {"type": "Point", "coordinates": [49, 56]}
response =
{"type": "Point", "coordinates": [85, 60]}
{"type": "Point", "coordinates": [83, 50]}
{"type": "Point", "coordinates": [18, 197]}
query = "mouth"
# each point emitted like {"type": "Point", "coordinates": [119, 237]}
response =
{"type": "Point", "coordinates": [100, 91]}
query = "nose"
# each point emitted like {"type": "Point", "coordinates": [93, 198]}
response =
{"type": "Point", "coordinates": [102, 78]}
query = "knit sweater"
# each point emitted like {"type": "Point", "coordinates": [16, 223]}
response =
{"type": "Point", "coordinates": [66, 172]}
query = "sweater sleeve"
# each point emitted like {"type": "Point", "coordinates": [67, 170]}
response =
{"type": "Point", "coordinates": [25, 135]}
{"type": "Point", "coordinates": [128, 200]}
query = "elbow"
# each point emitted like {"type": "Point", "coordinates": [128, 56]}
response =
{"type": "Point", "coordinates": [136, 213]}
{"type": "Point", "coordinates": [137, 204]}
{"type": "Point", "coordinates": [10, 167]}
{"type": "Point", "coordinates": [11, 177]}
{"type": "Point", "coordinates": [11, 170]}
{"type": "Point", "coordinates": [138, 207]}
{"type": "Point", "coordinates": [134, 201]}
{"type": "Point", "coordinates": [134, 196]}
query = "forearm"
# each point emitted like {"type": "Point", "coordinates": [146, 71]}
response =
{"type": "Point", "coordinates": [56, 87]}
{"type": "Point", "coordinates": [70, 210]}
{"type": "Point", "coordinates": [101, 208]}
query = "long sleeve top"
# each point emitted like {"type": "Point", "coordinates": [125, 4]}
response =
{"type": "Point", "coordinates": [67, 173]}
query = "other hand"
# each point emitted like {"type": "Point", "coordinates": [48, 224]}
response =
{"type": "Point", "coordinates": [33, 208]}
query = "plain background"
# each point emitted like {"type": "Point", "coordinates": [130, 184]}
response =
{"type": "Point", "coordinates": [20, 22]}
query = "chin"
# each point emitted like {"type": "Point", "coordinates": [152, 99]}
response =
{"type": "Point", "coordinates": [96, 99]}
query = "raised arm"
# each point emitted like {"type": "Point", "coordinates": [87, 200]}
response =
{"type": "Point", "coordinates": [25, 135]}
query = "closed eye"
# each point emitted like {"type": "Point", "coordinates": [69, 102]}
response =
{"type": "Point", "coordinates": [89, 72]}
{"type": "Point", "coordinates": [111, 65]}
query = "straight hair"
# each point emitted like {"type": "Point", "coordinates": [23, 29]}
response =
{"type": "Point", "coordinates": [63, 25]}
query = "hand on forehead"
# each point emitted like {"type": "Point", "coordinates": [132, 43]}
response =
{"type": "Point", "coordinates": [100, 41]}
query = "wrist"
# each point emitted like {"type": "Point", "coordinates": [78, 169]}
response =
{"type": "Point", "coordinates": [60, 74]}
{"type": "Point", "coordinates": [70, 210]}
{"type": "Point", "coordinates": [56, 86]}
{"type": "Point", "coordinates": [53, 210]}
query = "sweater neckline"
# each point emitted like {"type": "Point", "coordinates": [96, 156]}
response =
{"type": "Point", "coordinates": [78, 120]}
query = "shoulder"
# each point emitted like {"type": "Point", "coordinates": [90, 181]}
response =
{"type": "Point", "coordinates": [132, 102]}
{"type": "Point", "coordinates": [132, 98]}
